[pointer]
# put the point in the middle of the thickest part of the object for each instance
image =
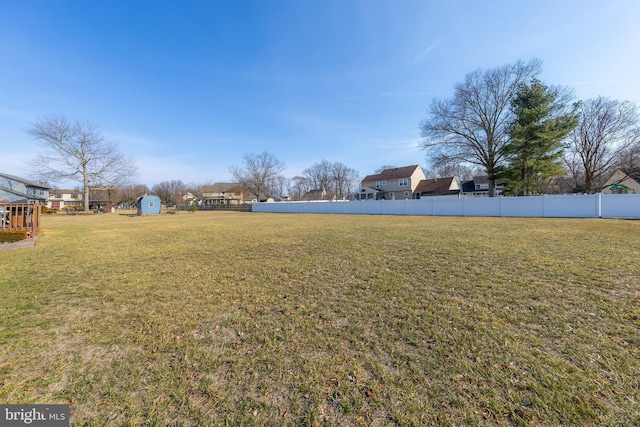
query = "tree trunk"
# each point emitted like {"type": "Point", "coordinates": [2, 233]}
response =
{"type": "Point", "coordinates": [85, 183]}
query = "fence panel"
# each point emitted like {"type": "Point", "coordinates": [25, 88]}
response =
{"type": "Point", "coordinates": [620, 205]}
{"type": "Point", "coordinates": [571, 206]}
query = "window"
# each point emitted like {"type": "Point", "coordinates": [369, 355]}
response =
{"type": "Point", "coordinates": [377, 184]}
{"type": "Point", "coordinates": [150, 204]}
{"type": "Point", "coordinates": [384, 183]}
{"type": "Point", "coordinates": [403, 182]}
{"type": "Point", "coordinates": [406, 194]}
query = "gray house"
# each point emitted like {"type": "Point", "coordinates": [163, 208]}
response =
{"type": "Point", "coordinates": [14, 189]}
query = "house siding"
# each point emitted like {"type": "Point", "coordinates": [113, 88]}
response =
{"type": "Point", "coordinates": [19, 190]}
{"type": "Point", "coordinates": [392, 186]}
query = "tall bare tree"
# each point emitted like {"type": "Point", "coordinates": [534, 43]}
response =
{"type": "Point", "coordinates": [606, 129]}
{"type": "Point", "coordinates": [258, 173]}
{"type": "Point", "coordinates": [473, 125]}
{"type": "Point", "coordinates": [76, 151]}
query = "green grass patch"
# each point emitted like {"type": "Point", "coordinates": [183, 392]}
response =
{"type": "Point", "coordinates": [226, 318]}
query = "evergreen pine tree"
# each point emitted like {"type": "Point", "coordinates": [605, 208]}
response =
{"type": "Point", "coordinates": [534, 153]}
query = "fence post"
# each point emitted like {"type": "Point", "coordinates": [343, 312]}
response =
{"type": "Point", "coordinates": [599, 205]}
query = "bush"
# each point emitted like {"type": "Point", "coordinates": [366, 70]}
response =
{"type": "Point", "coordinates": [12, 236]}
{"type": "Point", "coordinates": [192, 208]}
{"type": "Point", "coordinates": [48, 210]}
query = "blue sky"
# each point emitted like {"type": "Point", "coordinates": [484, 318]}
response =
{"type": "Point", "coordinates": [186, 87]}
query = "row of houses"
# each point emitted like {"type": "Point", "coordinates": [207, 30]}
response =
{"type": "Point", "coordinates": [408, 182]}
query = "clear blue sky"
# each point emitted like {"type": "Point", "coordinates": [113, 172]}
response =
{"type": "Point", "coordinates": [187, 87]}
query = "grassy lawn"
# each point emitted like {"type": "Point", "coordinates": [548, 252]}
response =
{"type": "Point", "coordinates": [273, 319]}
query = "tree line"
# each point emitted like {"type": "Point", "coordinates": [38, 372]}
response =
{"type": "Point", "coordinates": [515, 128]}
{"type": "Point", "coordinates": [76, 151]}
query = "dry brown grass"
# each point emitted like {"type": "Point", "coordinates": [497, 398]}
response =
{"type": "Point", "coordinates": [258, 319]}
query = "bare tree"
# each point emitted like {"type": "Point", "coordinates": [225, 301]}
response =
{"type": "Point", "coordinates": [128, 194]}
{"type": "Point", "coordinates": [629, 158]}
{"type": "Point", "coordinates": [298, 186]}
{"type": "Point", "coordinates": [345, 180]}
{"type": "Point", "coordinates": [445, 167]}
{"type": "Point", "coordinates": [473, 125]}
{"type": "Point", "coordinates": [258, 173]}
{"type": "Point", "coordinates": [575, 177]}
{"type": "Point", "coordinates": [279, 186]}
{"type": "Point", "coordinates": [606, 129]}
{"type": "Point", "coordinates": [76, 151]}
{"type": "Point", "coordinates": [170, 192]}
{"type": "Point", "coordinates": [319, 175]}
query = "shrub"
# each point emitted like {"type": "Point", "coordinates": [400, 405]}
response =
{"type": "Point", "coordinates": [48, 210]}
{"type": "Point", "coordinates": [192, 208]}
{"type": "Point", "coordinates": [12, 236]}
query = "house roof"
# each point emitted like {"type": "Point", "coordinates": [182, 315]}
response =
{"type": "Point", "coordinates": [481, 179]}
{"type": "Point", "coordinates": [633, 173]}
{"type": "Point", "coordinates": [395, 173]}
{"type": "Point", "coordinates": [24, 181]}
{"type": "Point", "coordinates": [318, 194]}
{"type": "Point", "coordinates": [436, 186]}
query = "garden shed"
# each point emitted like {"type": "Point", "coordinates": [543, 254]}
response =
{"type": "Point", "coordinates": [149, 205]}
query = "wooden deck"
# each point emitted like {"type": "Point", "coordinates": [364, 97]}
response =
{"type": "Point", "coordinates": [21, 217]}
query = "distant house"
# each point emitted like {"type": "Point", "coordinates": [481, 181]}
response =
{"type": "Point", "coordinates": [59, 199]}
{"type": "Point", "coordinates": [14, 189]}
{"type": "Point", "coordinates": [479, 187]}
{"type": "Point", "coordinates": [623, 181]}
{"type": "Point", "coordinates": [449, 186]}
{"type": "Point", "coordinates": [223, 193]}
{"type": "Point", "coordinates": [149, 205]}
{"type": "Point", "coordinates": [391, 184]}
{"type": "Point", "coordinates": [318, 194]}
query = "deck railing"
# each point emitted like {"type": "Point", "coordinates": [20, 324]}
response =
{"type": "Point", "coordinates": [21, 217]}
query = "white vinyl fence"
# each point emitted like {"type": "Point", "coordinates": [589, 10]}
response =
{"type": "Point", "coordinates": [561, 206]}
